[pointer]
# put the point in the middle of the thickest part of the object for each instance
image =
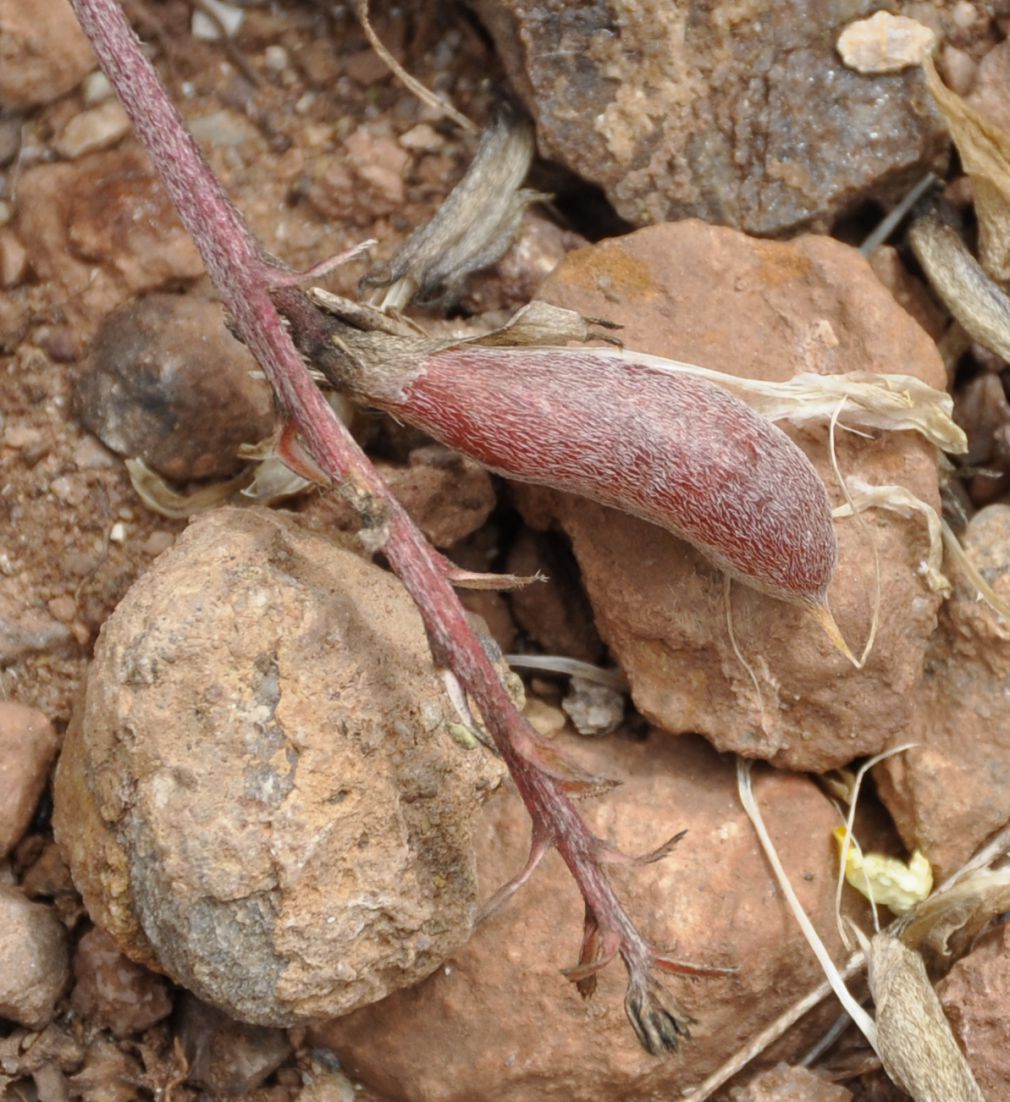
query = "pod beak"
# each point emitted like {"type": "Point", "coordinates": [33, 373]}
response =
{"type": "Point", "coordinates": [822, 614]}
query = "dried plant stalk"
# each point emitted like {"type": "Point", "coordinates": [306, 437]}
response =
{"type": "Point", "coordinates": [248, 283]}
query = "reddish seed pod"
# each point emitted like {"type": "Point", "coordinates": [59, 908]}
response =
{"type": "Point", "coordinates": [672, 449]}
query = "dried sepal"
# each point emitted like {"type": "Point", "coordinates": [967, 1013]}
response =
{"type": "Point", "coordinates": [985, 154]}
{"type": "Point", "coordinates": [475, 224]}
{"type": "Point", "coordinates": [944, 926]}
{"type": "Point", "coordinates": [161, 498]}
{"type": "Point", "coordinates": [981, 307]}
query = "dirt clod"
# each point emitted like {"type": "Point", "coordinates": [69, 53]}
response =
{"type": "Point", "coordinates": [43, 52]}
{"type": "Point", "coordinates": [226, 1056]}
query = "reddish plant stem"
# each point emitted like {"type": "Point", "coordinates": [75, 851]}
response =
{"type": "Point", "coordinates": [246, 281]}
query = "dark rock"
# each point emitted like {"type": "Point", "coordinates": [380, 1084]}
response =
{"type": "Point", "coordinates": [742, 115]}
{"type": "Point", "coordinates": [166, 382]}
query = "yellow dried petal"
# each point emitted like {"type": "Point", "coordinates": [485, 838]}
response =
{"type": "Point", "coordinates": [896, 884]}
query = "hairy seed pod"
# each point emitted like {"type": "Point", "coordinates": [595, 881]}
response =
{"type": "Point", "coordinates": [673, 449]}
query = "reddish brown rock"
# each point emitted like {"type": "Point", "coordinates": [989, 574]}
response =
{"type": "Point", "coordinates": [43, 52]}
{"type": "Point", "coordinates": [33, 948]}
{"type": "Point", "coordinates": [786, 1084]}
{"type": "Point", "coordinates": [810, 305]}
{"type": "Point", "coordinates": [976, 999]}
{"type": "Point", "coordinates": [113, 991]}
{"type": "Point", "coordinates": [554, 612]}
{"type": "Point", "coordinates": [102, 229]}
{"type": "Point", "coordinates": [225, 1056]}
{"type": "Point", "coordinates": [991, 94]}
{"type": "Point", "coordinates": [164, 381]}
{"type": "Point", "coordinates": [950, 792]}
{"type": "Point", "coordinates": [500, 1023]}
{"type": "Point", "coordinates": [743, 115]}
{"type": "Point", "coordinates": [28, 745]}
{"type": "Point", "coordinates": [447, 496]}
{"type": "Point", "coordinates": [261, 795]}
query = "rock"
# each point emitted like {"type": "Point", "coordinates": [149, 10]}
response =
{"type": "Point", "coordinates": [33, 948]}
{"type": "Point", "coordinates": [744, 116]}
{"type": "Point", "coordinates": [27, 630]}
{"type": "Point", "coordinates": [810, 305]}
{"type": "Point", "coordinates": [786, 1084]}
{"type": "Point", "coordinates": [976, 999]}
{"type": "Point", "coordinates": [28, 745]}
{"type": "Point", "coordinates": [260, 795]}
{"type": "Point", "coordinates": [113, 991]}
{"type": "Point", "coordinates": [499, 1023]}
{"type": "Point", "coordinates": [98, 128]}
{"type": "Point", "coordinates": [102, 230]}
{"type": "Point", "coordinates": [991, 94]}
{"type": "Point", "coordinates": [447, 496]}
{"type": "Point", "coordinates": [949, 793]}
{"type": "Point", "coordinates": [593, 709]}
{"type": "Point", "coordinates": [43, 52]}
{"type": "Point", "coordinates": [226, 1056]}
{"type": "Point", "coordinates": [982, 410]}
{"type": "Point", "coordinates": [555, 612]}
{"type": "Point", "coordinates": [884, 43]}
{"type": "Point", "coordinates": [166, 382]}
{"type": "Point", "coordinates": [364, 180]}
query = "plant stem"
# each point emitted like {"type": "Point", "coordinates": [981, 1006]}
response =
{"type": "Point", "coordinates": [248, 283]}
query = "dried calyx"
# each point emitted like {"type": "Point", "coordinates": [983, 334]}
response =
{"type": "Point", "coordinates": [475, 224]}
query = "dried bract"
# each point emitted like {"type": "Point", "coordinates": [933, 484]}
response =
{"type": "Point", "coordinates": [474, 225]}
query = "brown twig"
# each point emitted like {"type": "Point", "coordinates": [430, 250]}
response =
{"type": "Point", "coordinates": [249, 283]}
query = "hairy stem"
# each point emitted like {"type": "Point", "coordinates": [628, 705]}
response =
{"type": "Point", "coordinates": [249, 283]}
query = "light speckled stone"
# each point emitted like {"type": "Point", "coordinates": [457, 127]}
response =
{"type": "Point", "coordinates": [260, 795]}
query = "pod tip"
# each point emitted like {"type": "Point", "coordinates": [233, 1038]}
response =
{"type": "Point", "coordinates": [822, 614]}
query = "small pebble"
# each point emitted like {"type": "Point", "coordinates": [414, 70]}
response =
{"type": "Point", "coordinates": [593, 709]}
{"type": "Point", "coordinates": [275, 58]}
{"type": "Point", "coordinates": [164, 381]}
{"type": "Point", "coordinates": [97, 128]}
{"type": "Point", "coordinates": [91, 455]}
{"type": "Point", "coordinates": [33, 948]}
{"type": "Point", "coordinates": [422, 137]}
{"type": "Point", "coordinates": [157, 542]}
{"type": "Point", "coordinates": [224, 1055]}
{"type": "Point", "coordinates": [120, 995]}
{"type": "Point", "coordinates": [28, 745]}
{"type": "Point", "coordinates": [95, 88]}
{"type": "Point", "coordinates": [13, 260]}
{"type": "Point", "coordinates": [884, 43]}
{"type": "Point", "coordinates": [229, 17]}
{"type": "Point", "coordinates": [63, 609]}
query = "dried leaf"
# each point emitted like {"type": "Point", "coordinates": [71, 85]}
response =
{"type": "Point", "coordinates": [915, 1042]}
{"type": "Point", "coordinates": [159, 497]}
{"type": "Point", "coordinates": [947, 923]}
{"type": "Point", "coordinates": [985, 155]}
